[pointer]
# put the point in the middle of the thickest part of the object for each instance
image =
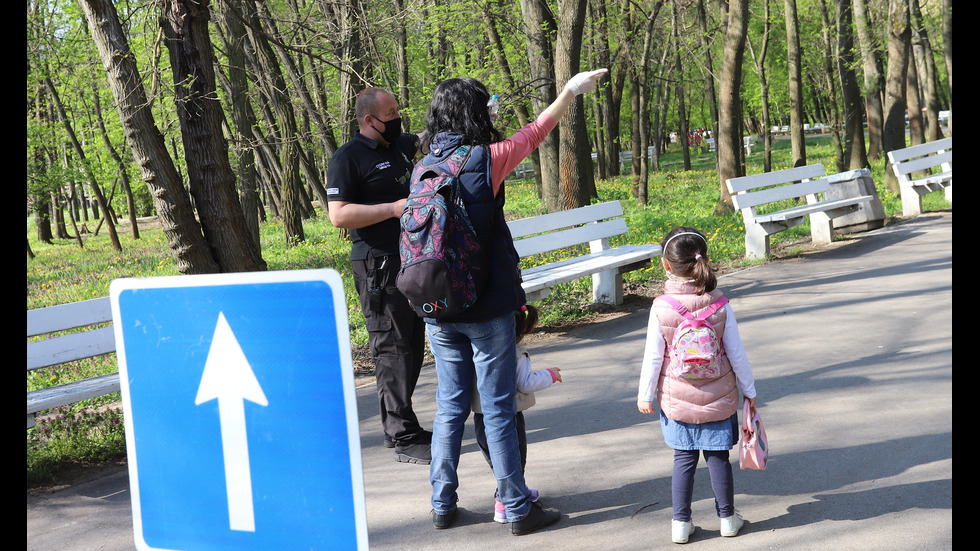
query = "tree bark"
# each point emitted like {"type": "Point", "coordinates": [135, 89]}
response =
{"type": "Point", "coordinates": [93, 183]}
{"type": "Point", "coordinates": [899, 36]}
{"type": "Point", "coordinates": [831, 83]}
{"type": "Point", "coordinates": [682, 132]}
{"type": "Point", "coordinates": [120, 165]}
{"type": "Point", "coordinates": [183, 233]}
{"type": "Point", "coordinates": [241, 115]}
{"type": "Point", "coordinates": [729, 141]}
{"type": "Point", "coordinates": [541, 27]}
{"type": "Point", "coordinates": [795, 83]}
{"type": "Point", "coordinates": [274, 86]}
{"type": "Point", "coordinates": [760, 69]}
{"type": "Point", "coordinates": [212, 182]}
{"type": "Point", "coordinates": [576, 182]}
{"type": "Point", "coordinates": [873, 80]}
{"type": "Point", "coordinates": [854, 152]}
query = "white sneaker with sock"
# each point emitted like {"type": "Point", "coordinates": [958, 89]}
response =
{"type": "Point", "coordinates": [731, 525]}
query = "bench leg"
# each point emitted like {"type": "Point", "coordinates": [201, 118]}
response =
{"type": "Point", "coordinates": [949, 192]}
{"type": "Point", "coordinates": [911, 201]}
{"type": "Point", "coordinates": [756, 242]}
{"type": "Point", "coordinates": [607, 287]}
{"type": "Point", "coordinates": [821, 228]}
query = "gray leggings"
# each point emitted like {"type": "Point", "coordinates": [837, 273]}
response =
{"type": "Point", "coordinates": [682, 483]}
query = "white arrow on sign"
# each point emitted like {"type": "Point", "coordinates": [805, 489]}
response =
{"type": "Point", "coordinates": [229, 379]}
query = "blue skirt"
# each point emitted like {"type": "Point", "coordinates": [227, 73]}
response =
{"type": "Point", "coordinates": [713, 436]}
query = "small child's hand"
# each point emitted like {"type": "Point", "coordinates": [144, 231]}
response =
{"type": "Point", "coordinates": [645, 407]}
{"type": "Point", "coordinates": [555, 374]}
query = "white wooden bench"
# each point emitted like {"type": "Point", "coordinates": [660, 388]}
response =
{"type": "Point", "coordinates": [925, 157]}
{"type": "Point", "coordinates": [65, 348]}
{"type": "Point", "coordinates": [749, 193]}
{"type": "Point", "coordinates": [593, 224]}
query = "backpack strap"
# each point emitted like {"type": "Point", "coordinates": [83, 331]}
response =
{"type": "Point", "coordinates": [681, 309]}
{"type": "Point", "coordinates": [705, 314]}
{"type": "Point", "coordinates": [714, 307]}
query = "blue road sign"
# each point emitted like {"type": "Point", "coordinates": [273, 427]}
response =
{"type": "Point", "coordinates": [241, 417]}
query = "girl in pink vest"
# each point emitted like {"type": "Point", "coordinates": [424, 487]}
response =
{"type": "Point", "coordinates": [697, 415]}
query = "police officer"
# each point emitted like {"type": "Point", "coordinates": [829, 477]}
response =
{"type": "Point", "coordinates": [368, 181]}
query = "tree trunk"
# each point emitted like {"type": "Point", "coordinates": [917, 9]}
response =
{"type": "Point", "coordinates": [926, 68]}
{"type": "Point", "coordinates": [854, 152]}
{"type": "Point", "coordinates": [873, 80]}
{"type": "Point", "coordinates": [760, 69]}
{"type": "Point", "coordinates": [830, 85]}
{"type": "Point", "coordinates": [93, 183]}
{"type": "Point", "coordinates": [729, 141]}
{"type": "Point", "coordinates": [212, 182]}
{"type": "Point", "coordinates": [682, 132]}
{"type": "Point", "coordinates": [274, 86]}
{"type": "Point", "coordinates": [795, 82]}
{"type": "Point", "coordinates": [899, 36]}
{"type": "Point", "coordinates": [541, 27]}
{"type": "Point", "coordinates": [242, 118]}
{"type": "Point", "coordinates": [120, 165]}
{"type": "Point", "coordinates": [187, 244]}
{"type": "Point", "coordinates": [709, 72]}
{"type": "Point", "coordinates": [577, 182]}
{"type": "Point", "coordinates": [948, 54]}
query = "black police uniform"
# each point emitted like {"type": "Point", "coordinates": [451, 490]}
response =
{"type": "Point", "coordinates": [366, 172]}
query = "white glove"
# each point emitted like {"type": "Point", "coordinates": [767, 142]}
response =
{"type": "Point", "coordinates": [584, 82]}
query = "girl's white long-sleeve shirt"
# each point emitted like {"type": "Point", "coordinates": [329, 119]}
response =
{"type": "Point", "coordinates": [529, 381]}
{"type": "Point", "coordinates": [656, 346]}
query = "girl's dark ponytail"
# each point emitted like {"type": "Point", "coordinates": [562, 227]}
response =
{"type": "Point", "coordinates": [686, 250]}
{"type": "Point", "coordinates": [525, 320]}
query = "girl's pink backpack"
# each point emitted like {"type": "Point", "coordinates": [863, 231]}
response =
{"type": "Point", "coordinates": [695, 349]}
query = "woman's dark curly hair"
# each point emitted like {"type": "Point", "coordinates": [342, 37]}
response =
{"type": "Point", "coordinates": [460, 105]}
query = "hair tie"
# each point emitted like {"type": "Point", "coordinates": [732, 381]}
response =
{"type": "Point", "coordinates": [524, 308]}
{"type": "Point", "coordinates": [697, 256]}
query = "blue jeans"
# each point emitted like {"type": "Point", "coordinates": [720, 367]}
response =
{"type": "Point", "coordinates": [487, 351]}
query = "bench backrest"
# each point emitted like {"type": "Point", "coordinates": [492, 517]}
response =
{"type": "Point", "coordinates": [73, 346]}
{"type": "Point", "coordinates": [922, 157]}
{"type": "Point", "coordinates": [748, 192]}
{"type": "Point", "coordinates": [557, 230]}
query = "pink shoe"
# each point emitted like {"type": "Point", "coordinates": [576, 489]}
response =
{"type": "Point", "coordinates": [500, 512]}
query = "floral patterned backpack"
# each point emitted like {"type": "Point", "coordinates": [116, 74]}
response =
{"type": "Point", "coordinates": [695, 348]}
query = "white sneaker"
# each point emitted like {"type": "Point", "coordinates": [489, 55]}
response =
{"type": "Point", "coordinates": [680, 530]}
{"type": "Point", "coordinates": [731, 525]}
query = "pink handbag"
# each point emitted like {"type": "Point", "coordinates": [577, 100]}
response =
{"type": "Point", "coordinates": [754, 448]}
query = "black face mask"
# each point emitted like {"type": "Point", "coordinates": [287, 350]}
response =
{"type": "Point", "coordinates": [392, 131]}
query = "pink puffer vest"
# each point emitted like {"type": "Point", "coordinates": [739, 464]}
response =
{"type": "Point", "coordinates": [694, 400]}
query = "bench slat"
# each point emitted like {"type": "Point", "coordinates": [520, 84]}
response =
{"type": "Point", "coordinates": [68, 316]}
{"type": "Point", "coordinates": [570, 269]}
{"type": "Point", "coordinates": [765, 179]}
{"type": "Point", "coordinates": [69, 393]}
{"type": "Point", "coordinates": [562, 219]}
{"type": "Point", "coordinates": [774, 194]}
{"type": "Point", "coordinates": [923, 163]}
{"type": "Point", "coordinates": [900, 155]}
{"type": "Point", "coordinates": [833, 209]}
{"type": "Point", "coordinates": [567, 238]}
{"type": "Point", "coordinates": [66, 348]}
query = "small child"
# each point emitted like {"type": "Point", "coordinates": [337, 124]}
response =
{"type": "Point", "coordinates": [696, 415]}
{"type": "Point", "coordinates": [528, 381]}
